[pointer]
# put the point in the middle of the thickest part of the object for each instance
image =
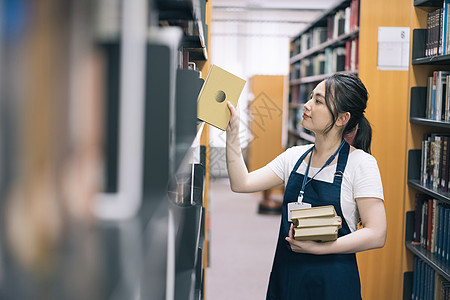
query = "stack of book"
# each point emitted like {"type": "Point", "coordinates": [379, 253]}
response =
{"type": "Point", "coordinates": [316, 224]}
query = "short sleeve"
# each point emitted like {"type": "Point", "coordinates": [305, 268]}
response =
{"type": "Point", "coordinates": [283, 164]}
{"type": "Point", "coordinates": [278, 164]}
{"type": "Point", "coordinates": [367, 179]}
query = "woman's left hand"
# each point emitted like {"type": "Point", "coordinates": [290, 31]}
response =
{"type": "Point", "coordinates": [302, 246]}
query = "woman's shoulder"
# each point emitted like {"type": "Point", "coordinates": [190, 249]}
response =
{"type": "Point", "coordinates": [358, 156]}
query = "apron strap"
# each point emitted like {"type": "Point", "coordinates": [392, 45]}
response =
{"type": "Point", "coordinates": [342, 162]}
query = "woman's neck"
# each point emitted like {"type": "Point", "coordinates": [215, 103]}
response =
{"type": "Point", "coordinates": [325, 146]}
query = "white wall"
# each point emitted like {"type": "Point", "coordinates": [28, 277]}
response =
{"type": "Point", "coordinates": [247, 49]}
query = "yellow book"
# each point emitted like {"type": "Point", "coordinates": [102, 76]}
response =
{"type": "Point", "coordinates": [318, 221]}
{"type": "Point", "coordinates": [220, 87]}
{"type": "Point", "coordinates": [321, 233]}
{"type": "Point", "coordinates": [318, 211]}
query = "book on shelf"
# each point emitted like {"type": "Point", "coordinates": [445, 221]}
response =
{"type": "Point", "coordinates": [446, 102]}
{"type": "Point", "coordinates": [444, 168]}
{"type": "Point", "coordinates": [437, 102]}
{"type": "Point", "coordinates": [219, 87]}
{"type": "Point", "coordinates": [420, 199]}
{"type": "Point", "coordinates": [338, 23]}
{"type": "Point", "coordinates": [438, 31]}
{"type": "Point", "coordinates": [434, 164]}
{"type": "Point", "coordinates": [427, 283]}
{"type": "Point", "coordinates": [431, 226]}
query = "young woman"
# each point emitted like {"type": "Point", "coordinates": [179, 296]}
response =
{"type": "Point", "coordinates": [345, 176]}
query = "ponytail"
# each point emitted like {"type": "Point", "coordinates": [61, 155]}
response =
{"type": "Point", "coordinates": [363, 137]}
{"type": "Point", "coordinates": [346, 93]}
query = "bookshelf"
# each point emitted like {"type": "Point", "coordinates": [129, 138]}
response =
{"type": "Point", "coordinates": [73, 108]}
{"type": "Point", "coordinates": [328, 45]}
{"type": "Point", "coordinates": [423, 66]}
{"type": "Point", "coordinates": [191, 16]}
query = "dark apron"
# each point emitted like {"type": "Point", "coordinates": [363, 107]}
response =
{"type": "Point", "coordinates": [310, 276]}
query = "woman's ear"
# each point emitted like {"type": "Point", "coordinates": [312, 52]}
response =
{"type": "Point", "coordinates": [343, 119]}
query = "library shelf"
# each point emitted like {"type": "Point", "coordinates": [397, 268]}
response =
{"type": "Point", "coordinates": [428, 122]}
{"type": "Point", "coordinates": [439, 266]}
{"type": "Point", "coordinates": [441, 196]}
{"type": "Point", "coordinates": [320, 77]}
{"type": "Point", "coordinates": [320, 48]}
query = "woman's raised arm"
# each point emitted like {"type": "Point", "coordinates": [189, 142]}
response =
{"type": "Point", "coordinates": [240, 179]}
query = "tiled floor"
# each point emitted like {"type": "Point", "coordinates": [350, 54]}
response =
{"type": "Point", "coordinates": [242, 244]}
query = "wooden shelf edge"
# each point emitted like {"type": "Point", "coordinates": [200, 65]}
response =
{"type": "Point", "coordinates": [429, 3]}
{"type": "Point", "coordinates": [320, 77]}
{"type": "Point", "coordinates": [435, 123]}
{"type": "Point", "coordinates": [436, 194]}
{"type": "Point", "coordinates": [438, 59]}
{"type": "Point", "coordinates": [429, 258]}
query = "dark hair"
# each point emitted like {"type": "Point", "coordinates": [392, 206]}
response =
{"type": "Point", "coordinates": [346, 93]}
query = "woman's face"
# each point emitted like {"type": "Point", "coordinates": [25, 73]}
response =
{"type": "Point", "coordinates": [317, 117]}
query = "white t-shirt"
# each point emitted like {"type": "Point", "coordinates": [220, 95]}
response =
{"type": "Point", "coordinates": [361, 177]}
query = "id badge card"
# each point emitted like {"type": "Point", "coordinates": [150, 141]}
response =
{"type": "Point", "coordinates": [295, 206]}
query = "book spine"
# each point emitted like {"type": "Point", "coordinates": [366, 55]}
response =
{"type": "Point", "coordinates": [437, 158]}
{"type": "Point", "coordinates": [347, 55]}
{"type": "Point", "coordinates": [429, 97]}
{"type": "Point", "coordinates": [445, 229]}
{"type": "Point", "coordinates": [447, 101]}
{"type": "Point", "coordinates": [438, 97]}
{"type": "Point", "coordinates": [427, 44]}
{"type": "Point", "coordinates": [421, 281]}
{"type": "Point", "coordinates": [447, 242]}
{"type": "Point", "coordinates": [434, 227]}
{"type": "Point", "coordinates": [423, 163]}
{"type": "Point", "coordinates": [441, 32]}
{"type": "Point", "coordinates": [415, 280]}
{"type": "Point", "coordinates": [429, 223]}
{"type": "Point", "coordinates": [417, 217]}
{"type": "Point", "coordinates": [423, 231]}
{"type": "Point", "coordinates": [431, 157]}
{"type": "Point", "coordinates": [447, 6]}
{"type": "Point", "coordinates": [433, 98]}
{"type": "Point", "coordinates": [444, 28]}
{"type": "Point", "coordinates": [443, 174]}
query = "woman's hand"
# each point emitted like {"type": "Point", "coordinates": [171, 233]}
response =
{"type": "Point", "coordinates": [233, 125]}
{"type": "Point", "coordinates": [303, 246]}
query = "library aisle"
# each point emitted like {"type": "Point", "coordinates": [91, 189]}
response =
{"type": "Point", "coordinates": [242, 244]}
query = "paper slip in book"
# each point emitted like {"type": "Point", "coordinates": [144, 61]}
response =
{"type": "Point", "coordinates": [318, 221]}
{"type": "Point", "coordinates": [318, 211]}
{"type": "Point", "coordinates": [220, 87]}
{"type": "Point", "coordinates": [322, 233]}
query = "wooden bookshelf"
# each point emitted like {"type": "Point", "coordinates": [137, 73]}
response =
{"type": "Point", "coordinates": [381, 270]}
{"type": "Point", "coordinates": [67, 108]}
{"type": "Point", "coordinates": [421, 67]}
{"type": "Point", "coordinates": [317, 53]}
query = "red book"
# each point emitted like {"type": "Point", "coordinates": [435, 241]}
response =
{"type": "Point", "coordinates": [348, 48]}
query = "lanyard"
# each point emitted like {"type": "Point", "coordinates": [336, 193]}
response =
{"type": "Point", "coordinates": [305, 178]}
